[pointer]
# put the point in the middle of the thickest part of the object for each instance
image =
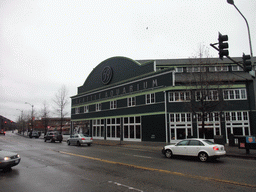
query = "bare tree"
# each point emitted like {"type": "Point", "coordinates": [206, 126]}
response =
{"type": "Point", "coordinates": [61, 102]}
{"type": "Point", "coordinates": [45, 116]}
{"type": "Point", "coordinates": [205, 88]}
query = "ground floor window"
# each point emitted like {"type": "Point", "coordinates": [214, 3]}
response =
{"type": "Point", "coordinates": [81, 127]}
{"type": "Point", "coordinates": [98, 128]}
{"type": "Point", "coordinates": [237, 123]}
{"type": "Point", "coordinates": [113, 128]}
{"type": "Point", "coordinates": [211, 125]}
{"type": "Point", "coordinates": [180, 126]}
{"type": "Point", "coordinates": [132, 128]}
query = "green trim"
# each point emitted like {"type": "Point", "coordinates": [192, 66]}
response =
{"type": "Point", "coordinates": [119, 116]}
{"type": "Point", "coordinates": [124, 81]}
{"type": "Point", "coordinates": [157, 90]}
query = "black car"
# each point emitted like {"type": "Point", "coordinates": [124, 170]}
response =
{"type": "Point", "coordinates": [35, 134]}
{"type": "Point", "coordinates": [2, 132]}
{"type": "Point", "coordinates": [53, 136]}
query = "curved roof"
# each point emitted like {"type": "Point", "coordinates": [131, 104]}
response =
{"type": "Point", "coordinates": [112, 71]}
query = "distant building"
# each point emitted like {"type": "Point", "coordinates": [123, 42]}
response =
{"type": "Point", "coordinates": [151, 100]}
{"type": "Point", "coordinates": [6, 124]}
{"type": "Point", "coordinates": [52, 124]}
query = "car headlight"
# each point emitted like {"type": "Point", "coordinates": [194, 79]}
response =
{"type": "Point", "coordinates": [7, 158]}
{"type": "Point", "coordinates": [18, 155]}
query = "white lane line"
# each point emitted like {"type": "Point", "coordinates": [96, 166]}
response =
{"type": "Point", "coordinates": [142, 156]}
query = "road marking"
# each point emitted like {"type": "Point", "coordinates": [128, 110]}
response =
{"type": "Point", "coordinates": [126, 186]}
{"type": "Point", "coordinates": [163, 171]}
{"type": "Point", "coordinates": [142, 156]}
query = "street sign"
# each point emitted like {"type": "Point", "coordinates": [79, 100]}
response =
{"type": "Point", "coordinates": [250, 140]}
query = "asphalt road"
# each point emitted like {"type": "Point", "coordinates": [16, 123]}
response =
{"type": "Point", "coordinates": [59, 167]}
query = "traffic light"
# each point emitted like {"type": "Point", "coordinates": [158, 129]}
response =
{"type": "Point", "coordinates": [223, 46]}
{"type": "Point", "coordinates": [247, 64]}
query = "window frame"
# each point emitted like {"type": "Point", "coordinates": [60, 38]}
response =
{"type": "Point", "coordinates": [131, 101]}
{"type": "Point", "coordinates": [150, 98]}
{"type": "Point", "coordinates": [176, 96]}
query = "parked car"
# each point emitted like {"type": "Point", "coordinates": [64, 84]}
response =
{"type": "Point", "coordinates": [53, 136]}
{"type": "Point", "coordinates": [8, 159]}
{"type": "Point", "coordinates": [35, 134]}
{"type": "Point", "coordinates": [201, 148]}
{"type": "Point", "coordinates": [2, 132]}
{"type": "Point", "coordinates": [80, 139]}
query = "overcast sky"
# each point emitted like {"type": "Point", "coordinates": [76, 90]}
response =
{"type": "Point", "coordinates": [45, 44]}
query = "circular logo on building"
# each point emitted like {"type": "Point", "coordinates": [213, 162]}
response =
{"type": "Point", "coordinates": [106, 75]}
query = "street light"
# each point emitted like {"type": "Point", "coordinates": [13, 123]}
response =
{"type": "Point", "coordinates": [250, 42]}
{"type": "Point", "coordinates": [31, 114]}
{"type": "Point", "coordinates": [21, 119]}
{"type": "Point", "coordinates": [252, 72]}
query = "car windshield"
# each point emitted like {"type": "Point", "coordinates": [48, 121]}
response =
{"type": "Point", "coordinates": [209, 142]}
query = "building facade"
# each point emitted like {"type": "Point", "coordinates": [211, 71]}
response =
{"type": "Point", "coordinates": [164, 100]}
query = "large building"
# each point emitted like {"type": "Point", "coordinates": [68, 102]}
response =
{"type": "Point", "coordinates": [165, 100]}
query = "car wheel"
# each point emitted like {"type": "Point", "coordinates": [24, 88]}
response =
{"type": "Point", "coordinates": [203, 157]}
{"type": "Point", "coordinates": [45, 140]}
{"type": "Point", "coordinates": [60, 141]}
{"type": "Point", "coordinates": [68, 142]}
{"type": "Point", "coordinates": [89, 144]}
{"type": "Point", "coordinates": [78, 143]}
{"type": "Point", "coordinates": [168, 153]}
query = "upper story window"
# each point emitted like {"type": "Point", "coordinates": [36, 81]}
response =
{"type": "Point", "coordinates": [98, 106]}
{"type": "Point", "coordinates": [196, 69]}
{"type": "Point", "coordinates": [181, 96]}
{"type": "Point", "coordinates": [234, 94]}
{"type": "Point", "coordinates": [218, 68]}
{"type": "Point", "coordinates": [207, 95]}
{"type": "Point", "coordinates": [150, 98]}
{"type": "Point", "coordinates": [113, 104]}
{"type": "Point", "coordinates": [131, 101]}
{"type": "Point", "coordinates": [237, 68]}
{"type": "Point", "coordinates": [179, 69]}
{"type": "Point", "coordinates": [77, 110]}
{"type": "Point", "coordinates": [86, 109]}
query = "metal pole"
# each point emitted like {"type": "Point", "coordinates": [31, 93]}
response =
{"type": "Point", "coordinates": [32, 125]}
{"type": "Point", "coordinates": [250, 42]}
{"type": "Point", "coordinates": [166, 124]}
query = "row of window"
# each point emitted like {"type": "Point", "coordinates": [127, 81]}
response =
{"type": "Point", "coordinates": [211, 69]}
{"type": "Point", "coordinates": [131, 130]}
{"type": "Point", "coordinates": [181, 96]}
{"type": "Point", "coordinates": [131, 101]}
{"type": "Point", "coordinates": [229, 116]}
{"type": "Point", "coordinates": [208, 95]}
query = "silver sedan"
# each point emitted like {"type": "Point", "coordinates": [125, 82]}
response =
{"type": "Point", "coordinates": [79, 139]}
{"type": "Point", "coordinates": [8, 159]}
